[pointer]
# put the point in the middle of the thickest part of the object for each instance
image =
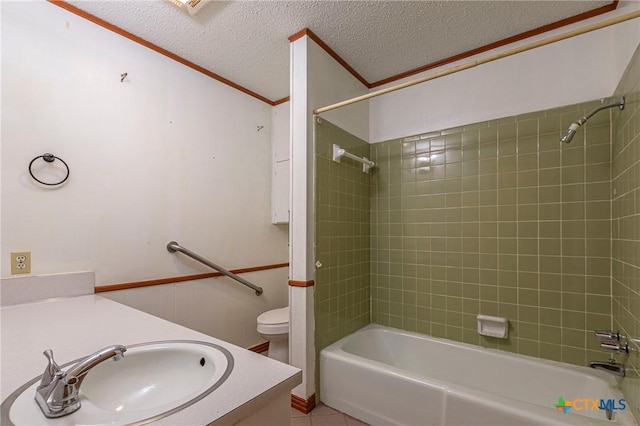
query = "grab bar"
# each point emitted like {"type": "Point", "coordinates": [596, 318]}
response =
{"type": "Point", "coordinates": [173, 247]}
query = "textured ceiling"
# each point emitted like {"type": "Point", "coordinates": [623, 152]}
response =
{"type": "Point", "coordinates": [246, 41]}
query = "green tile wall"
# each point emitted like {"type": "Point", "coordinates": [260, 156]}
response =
{"type": "Point", "coordinates": [342, 208]}
{"type": "Point", "coordinates": [626, 225]}
{"type": "Point", "coordinates": [498, 218]}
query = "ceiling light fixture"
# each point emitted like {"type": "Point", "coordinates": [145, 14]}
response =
{"type": "Point", "coordinates": [192, 6]}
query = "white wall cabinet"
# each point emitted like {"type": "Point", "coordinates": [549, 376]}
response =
{"type": "Point", "coordinates": [280, 172]}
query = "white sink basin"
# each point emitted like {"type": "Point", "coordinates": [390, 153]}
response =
{"type": "Point", "coordinates": [153, 380]}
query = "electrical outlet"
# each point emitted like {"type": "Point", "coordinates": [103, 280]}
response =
{"type": "Point", "coordinates": [21, 262]}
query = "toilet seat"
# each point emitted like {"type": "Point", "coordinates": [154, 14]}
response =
{"type": "Point", "coordinates": [275, 321]}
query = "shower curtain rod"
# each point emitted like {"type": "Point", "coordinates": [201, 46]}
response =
{"type": "Point", "coordinates": [490, 58]}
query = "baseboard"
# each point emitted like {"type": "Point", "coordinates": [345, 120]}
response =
{"type": "Point", "coordinates": [300, 404]}
{"type": "Point", "coordinates": [260, 348]}
{"type": "Point", "coordinates": [303, 405]}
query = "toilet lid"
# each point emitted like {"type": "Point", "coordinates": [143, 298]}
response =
{"type": "Point", "coordinates": [275, 316]}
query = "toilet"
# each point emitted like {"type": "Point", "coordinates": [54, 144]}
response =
{"type": "Point", "coordinates": [273, 325]}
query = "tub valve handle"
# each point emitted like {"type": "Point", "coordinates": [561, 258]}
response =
{"type": "Point", "coordinates": [607, 335]}
{"type": "Point", "coordinates": [614, 346]}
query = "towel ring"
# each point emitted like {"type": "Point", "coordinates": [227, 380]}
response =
{"type": "Point", "coordinates": [49, 158]}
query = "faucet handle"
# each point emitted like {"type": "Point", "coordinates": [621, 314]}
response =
{"type": "Point", "coordinates": [607, 335]}
{"type": "Point", "coordinates": [52, 369]}
{"type": "Point", "coordinates": [614, 346]}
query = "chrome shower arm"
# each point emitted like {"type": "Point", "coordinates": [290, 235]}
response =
{"type": "Point", "coordinates": [573, 128]}
{"type": "Point", "coordinates": [619, 104]}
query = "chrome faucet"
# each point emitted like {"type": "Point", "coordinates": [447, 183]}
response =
{"type": "Point", "coordinates": [58, 392]}
{"type": "Point", "coordinates": [613, 342]}
{"type": "Point", "coordinates": [615, 347]}
{"type": "Point", "coordinates": [609, 335]}
{"type": "Point", "coordinates": [610, 366]}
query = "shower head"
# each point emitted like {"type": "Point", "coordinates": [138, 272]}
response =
{"type": "Point", "coordinates": [573, 128]}
{"type": "Point", "coordinates": [570, 132]}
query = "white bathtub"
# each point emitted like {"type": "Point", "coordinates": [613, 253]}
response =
{"type": "Point", "coordinates": [387, 376]}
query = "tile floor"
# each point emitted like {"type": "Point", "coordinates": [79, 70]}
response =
{"type": "Point", "coordinates": [322, 415]}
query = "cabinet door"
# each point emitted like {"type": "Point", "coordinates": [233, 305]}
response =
{"type": "Point", "coordinates": [280, 194]}
{"type": "Point", "coordinates": [280, 133]}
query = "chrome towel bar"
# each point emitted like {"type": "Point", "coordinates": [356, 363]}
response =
{"type": "Point", "coordinates": [173, 247]}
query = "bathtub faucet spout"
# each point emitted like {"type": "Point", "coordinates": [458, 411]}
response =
{"type": "Point", "coordinates": [610, 366]}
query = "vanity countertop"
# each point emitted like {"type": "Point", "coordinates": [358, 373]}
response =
{"type": "Point", "coordinates": [78, 326]}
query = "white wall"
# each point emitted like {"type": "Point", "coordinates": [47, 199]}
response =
{"type": "Point", "coordinates": [579, 69]}
{"type": "Point", "coordinates": [169, 154]}
{"type": "Point", "coordinates": [329, 82]}
{"type": "Point", "coordinates": [316, 80]}
{"type": "Point", "coordinates": [217, 306]}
